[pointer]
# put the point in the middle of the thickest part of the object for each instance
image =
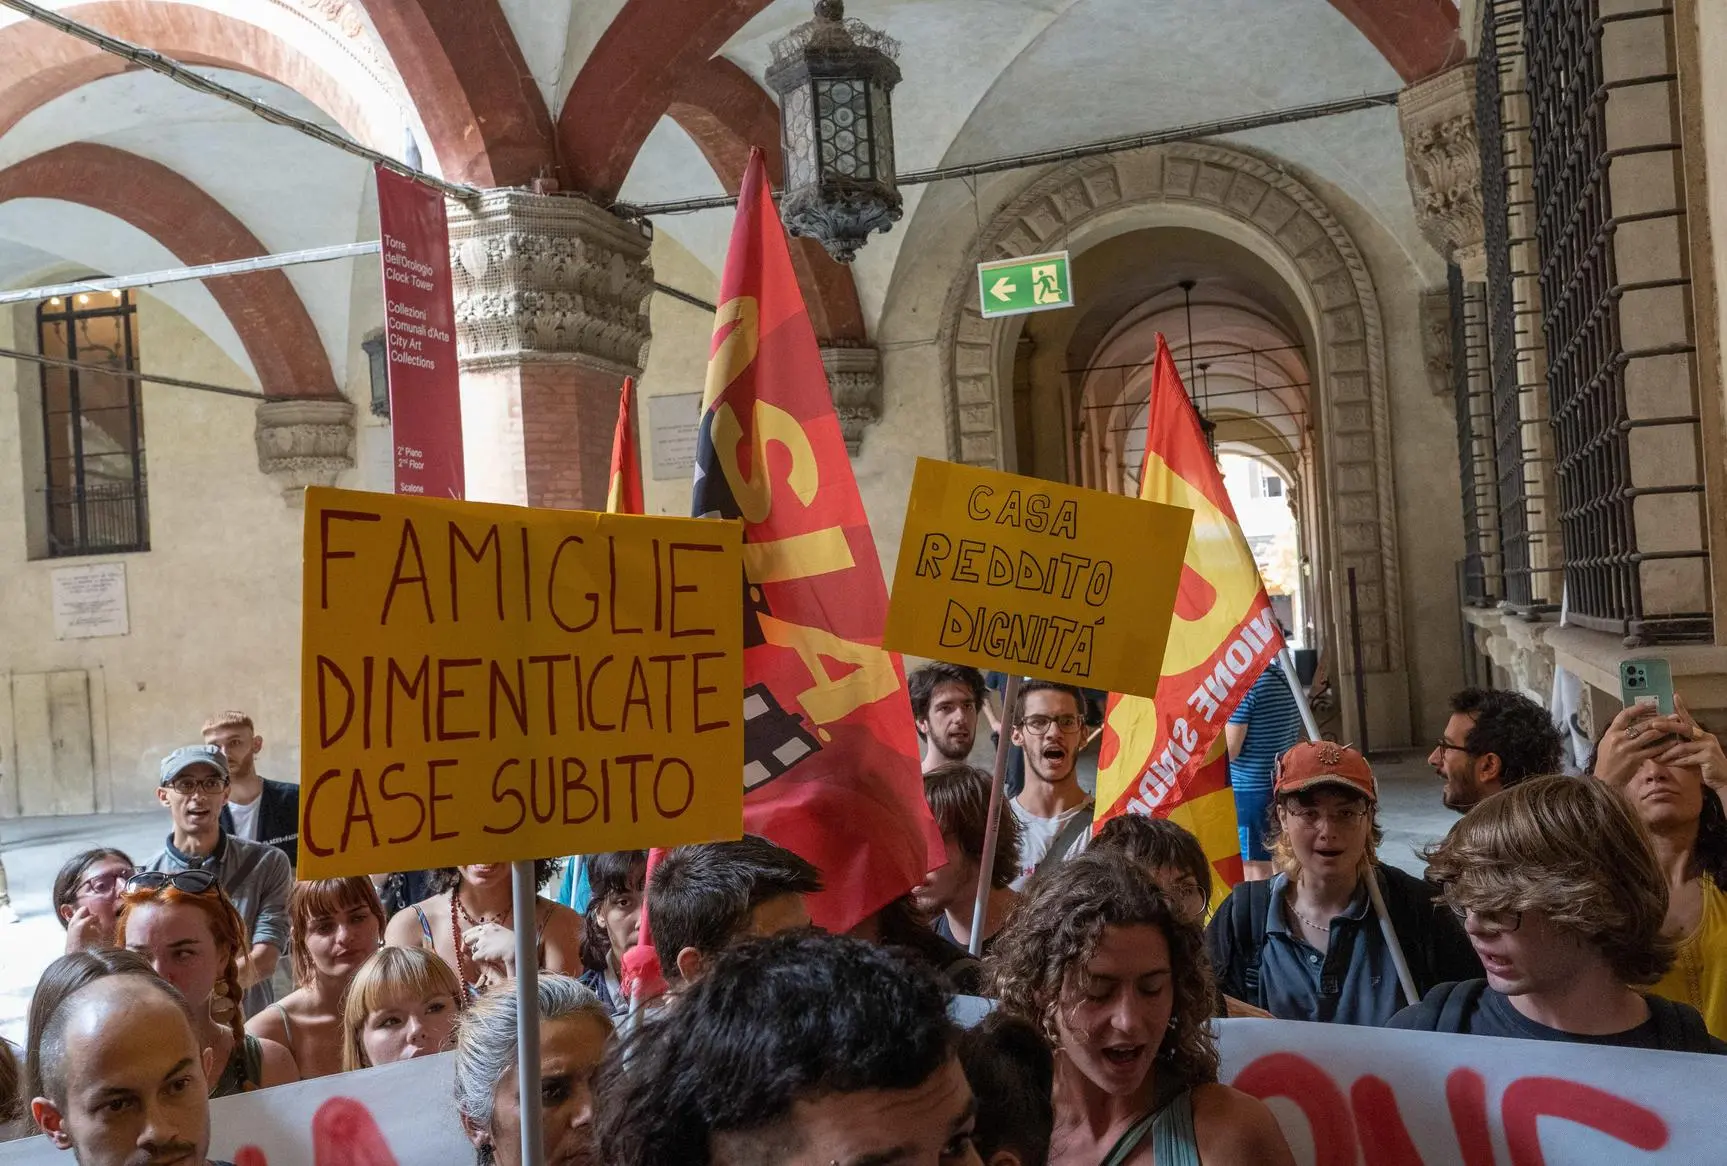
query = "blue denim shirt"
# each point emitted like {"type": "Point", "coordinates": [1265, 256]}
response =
{"type": "Point", "coordinates": [1357, 968]}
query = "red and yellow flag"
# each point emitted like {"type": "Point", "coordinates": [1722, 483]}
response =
{"type": "Point", "coordinates": [624, 486]}
{"type": "Point", "coordinates": [831, 765]}
{"type": "Point", "coordinates": [1166, 755]}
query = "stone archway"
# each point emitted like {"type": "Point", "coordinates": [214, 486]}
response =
{"type": "Point", "coordinates": [1262, 206]}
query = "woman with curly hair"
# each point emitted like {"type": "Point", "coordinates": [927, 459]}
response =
{"type": "Point", "coordinates": [184, 924]}
{"type": "Point", "coordinates": [469, 921]}
{"type": "Point", "coordinates": [1116, 978]}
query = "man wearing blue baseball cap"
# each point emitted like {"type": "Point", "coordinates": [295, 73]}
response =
{"type": "Point", "coordinates": [256, 876]}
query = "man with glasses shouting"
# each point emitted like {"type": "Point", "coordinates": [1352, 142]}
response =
{"type": "Point", "coordinates": [1564, 902]}
{"type": "Point", "coordinates": [1054, 812]}
{"type": "Point", "coordinates": [1305, 944]}
{"type": "Point", "coordinates": [256, 876]}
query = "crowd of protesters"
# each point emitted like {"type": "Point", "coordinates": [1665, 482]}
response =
{"type": "Point", "coordinates": [1583, 909]}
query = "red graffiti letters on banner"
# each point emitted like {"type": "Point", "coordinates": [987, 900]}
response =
{"type": "Point", "coordinates": [1368, 1126]}
{"type": "Point", "coordinates": [344, 1133]}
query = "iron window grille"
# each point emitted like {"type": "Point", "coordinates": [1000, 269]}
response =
{"type": "Point", "coordinates": [1622, 459]}
{"type": "Point", "coordinates": [1482, 577]}
{"type": "Point", "coordinates": [1532, 555]}
{"type": "Point", "coordinates": [94, 487]}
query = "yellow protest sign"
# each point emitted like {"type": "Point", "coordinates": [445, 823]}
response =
{"type": "Point", "coordinates": [487, 683]}
{"type": "Point", "coordinates": [1035, 577]}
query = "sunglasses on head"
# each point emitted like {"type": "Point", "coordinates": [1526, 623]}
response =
{"type": "Point", "coordinates": [193, 882]}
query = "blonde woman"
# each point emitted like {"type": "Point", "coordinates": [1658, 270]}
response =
{"type": "Point", "coordinates": [1306, 944]}
{"type": "Point", "coordinates": [337, 924]}
{"type": "Point", "coordinates": [402, 1003]}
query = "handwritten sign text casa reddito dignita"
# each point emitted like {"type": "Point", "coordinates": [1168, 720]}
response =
{"type": "Point", "coordinates": [1036, 577]}
{"type": "Point", "coordinates": [489, 683]}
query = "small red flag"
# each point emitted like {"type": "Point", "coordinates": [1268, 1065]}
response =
{"type": "Point", "coordinates": [624, 486]}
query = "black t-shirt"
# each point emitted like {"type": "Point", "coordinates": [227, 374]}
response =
{"type": "Point", "coordinates": [1480, 1011]}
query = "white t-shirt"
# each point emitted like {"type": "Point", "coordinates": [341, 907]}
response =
{"type": "Point", "coordinates": [1036, 834]}
{"type": "Point", "coordinates": [246, 819]}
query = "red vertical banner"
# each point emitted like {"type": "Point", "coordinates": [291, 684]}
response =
{"type": "Point", "coordinates": [624, 493]}
{"type": "Point", "coordinates": [420, 339]}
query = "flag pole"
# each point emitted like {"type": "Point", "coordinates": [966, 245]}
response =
{"type": "Point", "coordinates": [1404, 979]}
{"type": "Point", "coordinates": [523, 894]}
{"type": "Point", "coordinates": [998, 779]}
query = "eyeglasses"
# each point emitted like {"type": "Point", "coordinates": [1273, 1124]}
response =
{"type": "Point", "coordinates": [1311, 817]}
{"type": "Point", "coordinates": [193, 882]}
{"type": "Point", "coordinates": [1038, 724]}
{"type": "Point", "coordinates": [102, 884]}
{"type": "Point", "coordinates": [1488, 922]}
{"type": "Point", "coordinates": [1443, 746]}
{"type": "Point", "coordinates": [208, 786]}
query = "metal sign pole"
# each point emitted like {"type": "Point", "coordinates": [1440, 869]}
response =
{"type": "Point", "coordinates": [986, 867]}
{"type": "Point", "coordinates": [524, 893]}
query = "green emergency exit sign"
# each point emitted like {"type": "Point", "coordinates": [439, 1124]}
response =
{"type": "Point", "coordinates": [1037, 283]}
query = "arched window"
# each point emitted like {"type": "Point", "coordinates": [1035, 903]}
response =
{"type": "Point", "coordinates": [92, 426]}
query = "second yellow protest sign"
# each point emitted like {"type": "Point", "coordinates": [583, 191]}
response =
{"type": "Point", "coordinates": [1036, 578]}
{"type": "Point", "coordinates": [489, 683]}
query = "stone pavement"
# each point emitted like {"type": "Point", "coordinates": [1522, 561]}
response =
{"type": "Point", "coordinates": [34, 848]}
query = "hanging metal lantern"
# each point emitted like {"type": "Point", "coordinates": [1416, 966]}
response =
{"type": "Point", "coordinates": [835, 78]}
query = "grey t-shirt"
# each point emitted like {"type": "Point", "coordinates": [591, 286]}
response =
{"type": "Point", "coordinates": [257, 878]}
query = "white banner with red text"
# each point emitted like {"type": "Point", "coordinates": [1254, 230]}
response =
{"type": "Point", "coordinates": [1343, 1095]}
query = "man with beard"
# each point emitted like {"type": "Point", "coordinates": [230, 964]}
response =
{"type": "Point", "coordinates": [120, 1077]}
{"type": "Point", "coordinates": [1493, 740]}
{"type": "Point", "coordinates": [945, 701]}
{"type": "Point", "coordinates": [258, 809]}
{"type": "Point", "coordinates": [1054, 812]}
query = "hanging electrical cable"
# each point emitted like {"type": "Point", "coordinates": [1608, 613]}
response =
{"type": "Point", "coordinates": [181, 74]}
{"type": "Point", "coordinates": [108, 370]}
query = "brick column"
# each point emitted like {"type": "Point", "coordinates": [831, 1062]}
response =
{"type": "Point", "coordinates": [551, 315]}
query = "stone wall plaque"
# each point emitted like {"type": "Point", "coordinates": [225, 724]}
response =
{"type": "Point", "coordinates": [90, 601]}
{"type": "Point", "coordinates": [672, 425]}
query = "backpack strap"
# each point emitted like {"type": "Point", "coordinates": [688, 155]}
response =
{"type": "Point", "coordinates": [1451, 1003]}
{"type": "Point", "coordinates": [1678, 1028]}
{"type": "Point", "coordinates": [1249, 925]}
{"type": "Point", "coordinates": [1064, 840]}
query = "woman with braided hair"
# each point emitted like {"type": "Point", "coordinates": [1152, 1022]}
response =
{"type": "Point", "coordinates": [187, 928]}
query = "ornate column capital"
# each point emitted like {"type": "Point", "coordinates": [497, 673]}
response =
{"type": "Point", "coordinates": [305, 442]}
{"type": "Point", "coordinates": [1444, 162]}
{"type": "Point", "coordinates": [543, 277]}
{"type": "Point", "coordinates": [854, 378]}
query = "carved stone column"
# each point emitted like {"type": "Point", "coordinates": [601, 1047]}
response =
{"type": "Point", "coordinates": [551, 315]}
{"type": "Point", "coordinates": [305, 442]}
{"type": "Point", "coordinates": [854, 378]}
{"type": "Point", "coordinates": [1444, 160]}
